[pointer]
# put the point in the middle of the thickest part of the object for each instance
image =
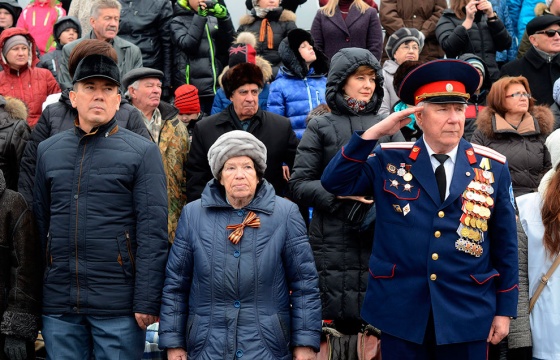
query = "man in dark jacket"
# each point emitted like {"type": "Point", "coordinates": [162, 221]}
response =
{"type": "Point", "coordinates": [242, 84]}
{"type": "Point", "coordinates": [60, 116]}
{"type": "Point", "coordinates": [101, 207]}
{"type": "Point", "coordinates": [541, 64]}
{"type": "Point", "coordinates": [145, 23]}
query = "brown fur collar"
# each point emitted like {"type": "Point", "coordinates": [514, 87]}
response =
{"type": "Point", "coordinates": [286, 15]}
{"type": "Point", "coordinates": [542, 114]}
{"type": "Point", "coordinates": [15, 108]}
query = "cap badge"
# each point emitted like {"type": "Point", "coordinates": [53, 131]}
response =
{"type": "Point", "coordinates": [449, 87]}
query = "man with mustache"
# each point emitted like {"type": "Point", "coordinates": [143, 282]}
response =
{"type": "Point", "coordinates": [104, 20]}
{"type": "Point", "coordinates": [101, 209]}
{"type": "Point", "coordinates": [143, 90]}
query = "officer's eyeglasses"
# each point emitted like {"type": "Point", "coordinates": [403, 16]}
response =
{"type": "Point", "coordinates": [519, 95]}
{"type": "Point", "coordinates": [550, 33]}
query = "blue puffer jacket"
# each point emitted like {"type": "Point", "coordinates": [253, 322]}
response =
{"type": "Point", "coordinates": [100, 201]}
{"type": "Point", "coordinates": [222, 300]}
{"type": "Point", "coordinates": [296, 90]}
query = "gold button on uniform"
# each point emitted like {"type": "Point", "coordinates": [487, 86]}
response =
{"type": "Point", "coordinates": [441, 214]}
{"type": "Point", "coordinates": [433, 277]}
{"type": "Point", "coordinates": [437, 234]}
{"type": "Point", "coordinates": [435, 256]}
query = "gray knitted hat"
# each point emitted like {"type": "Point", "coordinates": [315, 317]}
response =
{"type": "Point", "coordinates": [401, 36]}
{"type": "Point", "coordinates": [237, 143]}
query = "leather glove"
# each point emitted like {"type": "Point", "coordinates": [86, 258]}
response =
{"type": "Point", "coordinates": [15, 348]}
{"type": "Point", "coordinates": [202, 12]}
{"type": "Point", "coordinates": [219, 11]}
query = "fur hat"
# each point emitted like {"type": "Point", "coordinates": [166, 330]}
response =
{"type": "Point", "coordinates": [237, 143]}
{"type": "Point", "coordinates": [186, 99]}
{"type": "Point", "coordinates": [402, 36]}
{"type": "Point", "coordinates": [296, 37]}
{"type": "Point", "coordinates": [241, 74]}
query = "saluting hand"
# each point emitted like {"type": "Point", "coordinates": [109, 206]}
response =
{"type": "Point", "coordinates": [391, 124]}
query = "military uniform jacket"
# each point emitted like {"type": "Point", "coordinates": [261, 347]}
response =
{"type": "Point", "coordinates": [420, 260]}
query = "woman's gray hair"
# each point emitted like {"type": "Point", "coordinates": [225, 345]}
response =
{"type": "Point", "coordinates": [233, 144]}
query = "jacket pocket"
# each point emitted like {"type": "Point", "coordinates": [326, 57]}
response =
{"type": "Point", "coordinates": [192, 334]}
{"type": "Point", "coordinates": [485, 278]}
{"type": "Point", "coordinates": [274, 336]}
{"type": "Point", "coordinates": [381, 269]}
{"type": "Point", "coordinates": [125, 256]}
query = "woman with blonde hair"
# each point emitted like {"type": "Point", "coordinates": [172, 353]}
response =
{"type": "Point", "coordinates": [347, 23]}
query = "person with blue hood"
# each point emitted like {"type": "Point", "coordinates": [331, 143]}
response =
{"type": "Point", "coordinates": [65, 30]}
{"type": "Point", "coordinates": [301, 83]}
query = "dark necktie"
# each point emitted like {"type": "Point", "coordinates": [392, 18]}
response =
{"type": "Point", "coordinates": [440, 175]}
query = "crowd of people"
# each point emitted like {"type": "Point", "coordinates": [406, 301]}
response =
{"type": "Point", "coordinates": [381, 183]}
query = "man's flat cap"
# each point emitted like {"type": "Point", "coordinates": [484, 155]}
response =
{"type": "Point", "coordinates": [140, 73]}
{"type": "Point", "coordinates": [97, 66]}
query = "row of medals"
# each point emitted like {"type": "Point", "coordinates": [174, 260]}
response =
{"type": "Point", "coordinates": [477, 202]}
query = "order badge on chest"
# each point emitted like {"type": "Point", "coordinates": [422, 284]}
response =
{"type": "Point", "coordinates": [477, 202]}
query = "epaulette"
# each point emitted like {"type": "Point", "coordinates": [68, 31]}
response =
{"type": "Point", "coordinates": [397, 145]}
{"type": "Point", "coordinates": [487, 152]}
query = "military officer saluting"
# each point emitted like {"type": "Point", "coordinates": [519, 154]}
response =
{"type": "Point", "coordinates": [443, 270]}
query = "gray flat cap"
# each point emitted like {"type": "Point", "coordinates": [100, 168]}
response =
{"type": "Point", "coordinates": [140, 73]}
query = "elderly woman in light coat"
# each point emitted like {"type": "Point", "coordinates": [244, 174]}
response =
{"type": "Point", "coordinates": [240, 280]}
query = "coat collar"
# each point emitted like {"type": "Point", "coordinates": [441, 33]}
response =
{"type": "Point", "coordinates": [353, 15]}
{"type": "Point", "coordinates": [422, 170]}
{"type": "Point", "coordinates": [213, 196]}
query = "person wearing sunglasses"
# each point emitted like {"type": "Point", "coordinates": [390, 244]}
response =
{"type": "Point", "coordinates": [541, 63]}
{"type": "Point", "coordinates": [515, 127]}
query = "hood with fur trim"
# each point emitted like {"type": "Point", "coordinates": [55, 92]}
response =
{"type": "Point", "coordinates": [8, 33]}
{"type": "Point", "coordinates": [542, 116]}
{"type": "Point", "coordinates": [286, 15]}
{"type": "Point", "coordinates": [15, 108]}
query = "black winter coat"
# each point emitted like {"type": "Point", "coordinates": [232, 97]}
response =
{"type": "Point", "coordinates": [14, 133]}
{"type": "Point", "coordinates": [273, 130]}
{"type": "Point", "coordinates": [146, 24]}
{"type": "Point", "coordinates": [21, 267]}
{"type": "Point", "coordinates": [482, 39]}
{"type": "Point", "coordinates": [540, 72]}
{"type": "Point", "coordinates": [280, 22]}
{"type": "Point", "coordinates": [341, 250]}
{"type": "Point", "coordinates": [201, 46]}
{"type": "Point", "coordinates": [58, 117]}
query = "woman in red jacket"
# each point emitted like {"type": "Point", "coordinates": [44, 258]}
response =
{"type": "Point", "coordinates": [21, 78]}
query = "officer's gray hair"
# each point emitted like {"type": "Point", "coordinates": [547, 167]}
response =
{"type": "Point", "coordinates": [104, 4]}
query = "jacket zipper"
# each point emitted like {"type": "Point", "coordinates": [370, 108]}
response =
{"type": "Point", "coordinates": [212, 56]}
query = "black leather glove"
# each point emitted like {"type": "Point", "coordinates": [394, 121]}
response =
{"type": "Point", "coordinates": [15, 348]}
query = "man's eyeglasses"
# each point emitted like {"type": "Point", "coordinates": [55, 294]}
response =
{"type": "Point", "coordinates": [519, 95]}
{"type": "Point", "coordinates": [550, 33]}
